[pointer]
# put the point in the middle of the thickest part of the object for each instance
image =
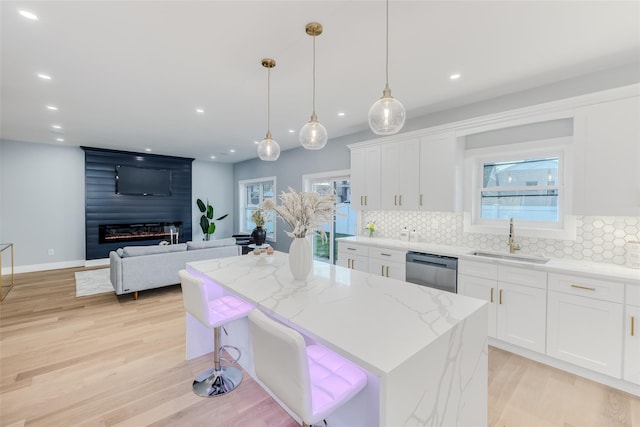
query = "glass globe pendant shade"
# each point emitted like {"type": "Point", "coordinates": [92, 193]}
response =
{"type": "Point", "coordinates": [387, 115]}
{"type": "Point", "coordinates": [268, 149]}
{"type": "Point", "coordinates": [313, 136]}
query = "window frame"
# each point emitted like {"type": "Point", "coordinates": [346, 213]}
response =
{"type": "Point", "coordinates": [242, 199]}
{"type": "Point", "coordinates": [564, 228]}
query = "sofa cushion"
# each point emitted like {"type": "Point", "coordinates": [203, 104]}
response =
{"type": "Point", "coordinates": [211, 244]}
{"type": "Point", "coordinates": [120, 252]}
{"type": "Point", "coordinates": [131, 251]}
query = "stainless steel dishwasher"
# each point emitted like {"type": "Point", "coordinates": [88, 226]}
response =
{"type": "Point", "coordinates": [434, 271]}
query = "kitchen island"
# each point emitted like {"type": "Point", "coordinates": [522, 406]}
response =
{"type": "Point", "coordinates": [425, 351]}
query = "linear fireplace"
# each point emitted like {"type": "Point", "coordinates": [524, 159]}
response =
{"type": "Point", "coordinates": [117, 233]}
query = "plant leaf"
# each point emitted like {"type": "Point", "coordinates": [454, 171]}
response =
{"type": "Point", "coordinates": [209, 211]}
{"type": "Point", "coordinates": [212, 228]}
{"type": "Point", "coordinates": [201, 205]}
{"type": "Point", "coordinates": [204, 224]}
{"type": "Point", "coordinates": [222, 217]}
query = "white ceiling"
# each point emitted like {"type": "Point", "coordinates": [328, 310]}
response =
{"type": "Point", "coordinates": [128, 75]}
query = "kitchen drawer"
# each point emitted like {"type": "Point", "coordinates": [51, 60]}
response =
{"type": "Point", "coordinates": [522, 276]}
{"type": "Point", "coordinates": [353, 249]}
{"type": "Point", "coordinates": [478, 269]}
{"type": "Point", "coordinates": [587, 287]}
{"type": "Point", "coordinates": [633, 295]}
{"type": "Point", "coordinates": [391, 255]}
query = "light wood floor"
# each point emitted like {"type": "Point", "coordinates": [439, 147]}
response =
{"type": "Point", "coordinates": [105, 360]}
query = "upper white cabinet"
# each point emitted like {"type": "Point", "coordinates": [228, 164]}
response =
{"type": "Point", "coordinates": [607, 158]}
{"type": "Point", "coordinates": [365, 177]}
{"type": "Point", "coordinates": [440, 173]}
{"type": "Point", "coordinates": [399, 168]}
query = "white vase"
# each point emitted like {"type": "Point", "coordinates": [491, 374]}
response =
{"type": "Point", "coordinates": [300, 261]}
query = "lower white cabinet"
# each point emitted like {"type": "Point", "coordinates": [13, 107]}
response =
{"type": "Point", "coordinates": [388, 262]}
{"type": "Point", "coordinates": [353, 256]}
{"type": "Point", "coordinates": [517, 301]}
{"type": "Point", "coordinates": [585, 323]}
{"type": "Point", "coordinates": [632, 335]}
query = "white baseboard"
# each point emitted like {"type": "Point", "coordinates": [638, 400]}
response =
{"type": "Point", "coordinates": [43, 267]}
{"type": "Point", "coordinates": [96, 262]}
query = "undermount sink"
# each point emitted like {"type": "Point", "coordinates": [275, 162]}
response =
{"type": "Point", "coordinates": [512, 257]}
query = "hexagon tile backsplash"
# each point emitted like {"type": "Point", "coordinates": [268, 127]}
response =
{"type": "Point", "coordinates": [598, 238]}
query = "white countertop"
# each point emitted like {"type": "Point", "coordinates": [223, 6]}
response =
{"type": "Point", "coordinates": [378, 322]}
{"type": "Point", "coordinates": [558, 265]}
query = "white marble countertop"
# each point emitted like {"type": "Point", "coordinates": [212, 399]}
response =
{"type": "Point", "coordinates": [378, 322]}
{"type": "Point", "coordinates": [558, 265]}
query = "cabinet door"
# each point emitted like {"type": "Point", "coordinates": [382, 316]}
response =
{"type": "Point", "coordinates": [394, 270]}
{"type": "Point", "coordinates": [521, 316]}
{"type": "Point", "coordinates": [484, 289]}
{"type": "Point", "coordinates": [586, 332]}
{"type": "Point", "coordinates": [389, 178]}
{"type": "Point", "coordinates": [607, 155]}
{"type": "Point", "coordinates": [632, 344]}
{"type": "Point", "coordinates": [440, 174]}
{"type": "Point", "coordinates": [365, 177]}
{"type": "Point", "coordinates": [399, 171]}
{"type": "Point", "coordinates": [354, 262]}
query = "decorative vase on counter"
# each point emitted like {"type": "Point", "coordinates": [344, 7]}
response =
{"type": "Point", "coordinates": [300, 261]}
{"type": "Point", "coordinates": [259, 235]}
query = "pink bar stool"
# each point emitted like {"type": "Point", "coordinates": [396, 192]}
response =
{"type": "Point", "coordinates": [213, 313]}
{"type": "Point", "coordinates": [312, 381]}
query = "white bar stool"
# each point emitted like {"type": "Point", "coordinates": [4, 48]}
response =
{"type": "Point", "coordinates": [213, 313]}
{"type": "Point", "coordinates": [312, 381]}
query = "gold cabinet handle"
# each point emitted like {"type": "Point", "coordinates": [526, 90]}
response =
{"type": "Point", "coordinates": [583, 287]}
{"type": "Point", "coordinates": [382, 270]}
{"type": "Point", "coordinates": [491, 296]}
{"type": "Point", "coordinates": [365, 200]}
{"type": "Point", "coordinates": [395, 200]}
{"type": "Point", "coordinates": [353, 264]}
{"type": "Point", "coordinates": [383, 254]}
{"type": "Point", "coordinates": [351, 249]}
{"type": "Point", "coordinates": [500, 296]}
{"type": "Point", "coordinates": [632, 326]}
{"type": "Point", "coordinates": [400, 200]}
{"type": "Point", "coordinates": [421, 200]}
{"type": "Point", "coordinates": [387, 271]}
{"type": "Point", "coordinates": [348, 263]}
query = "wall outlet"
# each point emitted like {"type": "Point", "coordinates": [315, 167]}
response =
{"type": "Point", "coordinates": [50, 252]}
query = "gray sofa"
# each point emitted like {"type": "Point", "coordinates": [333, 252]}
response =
{"type": "Point", "coordinates": [137, 268]}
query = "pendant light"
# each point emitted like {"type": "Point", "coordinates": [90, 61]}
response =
{"type": "Point", "coordinates": [268, 148]}
{"type": "Point", "coordinates": [387, 115]}
{"type": "Point", "coordinates": [313, 136]}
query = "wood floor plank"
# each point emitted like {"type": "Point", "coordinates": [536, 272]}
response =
{"type": "Point", "coordinates": [105, 360]}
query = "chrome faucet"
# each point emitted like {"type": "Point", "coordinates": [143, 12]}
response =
{"type": "Point", "coordinates": [513, 246]}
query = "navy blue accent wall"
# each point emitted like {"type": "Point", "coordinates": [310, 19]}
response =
{"type": "Point", "coordinates": [104, 206]}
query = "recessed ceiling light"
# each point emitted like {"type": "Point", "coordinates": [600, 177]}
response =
{"type": "Point", "coordinates": [148, 150]}
{"type": "Point", "coordinates": [213, 157]}
{"type": "Point", "coordinates": [60, 139]}
{"type": "Point", "coordinates": [52, 107]}
{"type": "Point", "coordinates": [232, 150]}
{"type": "Point", "coordinates": [44, 76]}
{"type": "Point", "coordinates": [291, 131]}
{"type": "Point", "coordinates": [56, 126]}
{"type": "Point", "coordinates": [28, 15]}
{"type": "Point", "coordinates": [454, 76]}
{"type": "Point", "coordinates": [199, 110]}
{"type": "Point", "coordinates": [341, 114]}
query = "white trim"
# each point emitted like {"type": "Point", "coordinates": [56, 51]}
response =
{"type": "Point", "coordinates": [553, 110]}
{"type": "Point", "coordinates": [307, 178]}
{"type": "Point", "coordinates": [241, 201]}
{"type": "Point", "coordinates": [43, 267]}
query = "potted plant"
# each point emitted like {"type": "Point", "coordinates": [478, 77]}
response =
{"type": "Point", "coordinates": [259, 234]}
{"type": "Point", "coordinates": [207, 223]}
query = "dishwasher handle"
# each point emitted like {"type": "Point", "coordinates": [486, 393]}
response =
{"type": "Point", "coordinates": [421, 261]}
{"type": "Point", "coordinates": [438, 261]}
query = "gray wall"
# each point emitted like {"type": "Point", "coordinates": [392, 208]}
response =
{"type": "Point", "coordinates": [42, 203]}
{"type": "Point", "coordinates": [294, 163]}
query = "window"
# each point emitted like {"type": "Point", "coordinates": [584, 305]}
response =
{"type": "Point", "coordinates": [525, 182]}
{"type": "Point", "coordinates": [520, 189]}
{"type": "Point", "coordinates": [252, 193]}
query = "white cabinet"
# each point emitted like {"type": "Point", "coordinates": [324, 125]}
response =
{"type": "Point", "coordinates": [632, 335]}
{"type": "Point", "coordinates": [365, 177]}
{"type": "Point", "coordinates": [353, 256]}
{"type": "Point", "coordinates": [399, 169]}
{"type": "Point", "coordinates": [585, 322]}
{"type": "Point", "coordinates": [517, 300]}
{"type": "Point", "coordinates": [440, 173]}
{"type": "Point", "coordinates": [388, 263]}
{"type": "Point", "coordinates": [606, 158]}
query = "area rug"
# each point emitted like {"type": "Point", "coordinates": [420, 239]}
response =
{"type": "Point", "coordinates": [93, 282]}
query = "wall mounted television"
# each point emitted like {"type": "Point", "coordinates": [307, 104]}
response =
{"type": "Point", "coordinates": [139, 181]}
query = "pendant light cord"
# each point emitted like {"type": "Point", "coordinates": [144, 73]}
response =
{"type": "Point", "coordinates": [314, 75]}
{"type": "Point", "coordinates": [269, 102]}
{"type": "Point", "coordinates": [387, 53]}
